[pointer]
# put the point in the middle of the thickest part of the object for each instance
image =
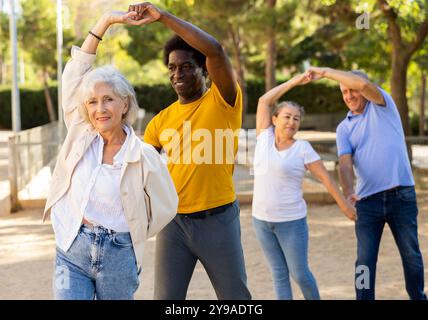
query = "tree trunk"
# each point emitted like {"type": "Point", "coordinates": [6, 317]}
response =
{"type": "Point", "coordinates": [399, 87]}
{"type": "Point", "coordinates": [48, 98]}
{"type": "Point", "coordinates": [398, 93]}
{"type": "Point", "coordinates": [242, 83]}
{"type": "Point", "coordinates": [270, 79]}
{"type": "Point", "coordinates": [401, 54]}
{"type": "Point", "coordinates": [1, 70]}
{"type": "Point", "coordinates": [270, 66]}
{"type": "Point", "coordinates": [422, 104]}
{"type": "Point", "coordinates": [240, 67]}
{"type": "Point", "coordinates": [4, 72]}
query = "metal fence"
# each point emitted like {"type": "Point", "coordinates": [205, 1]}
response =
{"type": "Point", "coordinates": [417, 144]}
{"type": "Point", "coordinates": [327, 150]}
{"type": "Point", "coordinates": [33, 149]}
{"type": "Point", "coordinates": [30, 151]}
{"type": "Point", "coordinates": [420, 160]}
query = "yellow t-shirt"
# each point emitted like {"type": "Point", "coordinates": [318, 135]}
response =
{"type": "Point", "coordinates": [201, 141]}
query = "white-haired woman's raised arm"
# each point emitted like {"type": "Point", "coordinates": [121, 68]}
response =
{"type": "Point", "coordinates": [81, 62]}
{"type": "Point", "coordinates": [96, 34]}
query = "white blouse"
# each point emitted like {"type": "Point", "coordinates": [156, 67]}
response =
{"type": "Point", "coordinates": [94, 191]}
{"type": "Point", "coordinates": [101, 202]}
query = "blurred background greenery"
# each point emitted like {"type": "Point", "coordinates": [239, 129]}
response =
{"type": "Point", "coordinates": [268, 41]}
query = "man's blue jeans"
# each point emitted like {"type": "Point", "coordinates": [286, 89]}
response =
{"type": "Point", "coordinates": [100, 264]}
{"type": "Point", "coordinates": [214, 240]}
{"type": "Point", "coordinates": [398, 208]}
{"type": "Point", "coordinates": [285, 245]}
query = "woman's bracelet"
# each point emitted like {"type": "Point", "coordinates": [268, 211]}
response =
{"type": "Point", "coordinates": [93, 34]}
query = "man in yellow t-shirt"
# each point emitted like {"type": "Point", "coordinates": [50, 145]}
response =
{"type": "Point", "coordinates": [199, 133]}
{"type": "Point", "coordinates": [195, 137]}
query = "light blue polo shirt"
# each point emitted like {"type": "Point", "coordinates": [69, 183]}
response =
{"type": "Point", "coordinates": [375, 139]}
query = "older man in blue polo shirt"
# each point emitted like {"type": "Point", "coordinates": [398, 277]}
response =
{"type": "Point", "coordinates": [371, 140]}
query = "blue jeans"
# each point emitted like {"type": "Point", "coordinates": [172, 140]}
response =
{"type": "Point", "coordinates": [398, 208]}
{"type": "Point", "coordinates": [214, 240]}
{"type": "Point", "coordinates": [285, 245]}
{"type": "Point", "coordinates": [100, 265]}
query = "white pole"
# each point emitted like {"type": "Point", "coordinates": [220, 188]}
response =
{"type": "Point", "coordinates": [16, 109]}
{"type": "Point", "coordinates": [59, 40]}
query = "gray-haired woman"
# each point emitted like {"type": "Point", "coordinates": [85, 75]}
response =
{"type": "Point", "coordinates": [279, 210]}
{"type": "Point", "coordinates": [109, 191]}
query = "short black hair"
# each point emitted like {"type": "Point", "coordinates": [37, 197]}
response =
{"type": "Point", "coordinates": [177, 43]}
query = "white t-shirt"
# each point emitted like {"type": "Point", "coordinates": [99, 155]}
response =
{"type": "Point", "coordinates": [278, 178]}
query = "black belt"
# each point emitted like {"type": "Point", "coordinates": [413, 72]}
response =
{"type": "Point", "coordinates": [387, 191]}
{"type": "Point", "coordinates": [392, 189]}
{"type": "Point", "coordinates": [205, 213]}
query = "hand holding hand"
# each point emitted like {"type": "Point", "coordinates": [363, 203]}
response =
{"type": "Point", "coordinates": [146, 13]}
{"type": "Point", "coordinates": [301, 79]}
{"type": "Point", "coordinates": [315, 73]}
{"type": "Point", "coordinates": [120, 17]}
{"type": "Point", "coordinates": [350, 212]}
{"type": "Point", "coordinates": [352, 199]}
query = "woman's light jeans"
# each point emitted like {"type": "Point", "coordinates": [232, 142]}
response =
{"type": "Point", "coordinates": [100, 265]}
{"type": "Point", "coordinates": [285, 245]}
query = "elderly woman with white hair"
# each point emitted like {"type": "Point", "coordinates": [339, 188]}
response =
{"type": "Point", "coordinates": [109, 190]}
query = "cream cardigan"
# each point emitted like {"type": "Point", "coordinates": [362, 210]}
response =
{"type": "Point", "coordinates": [147, 191]}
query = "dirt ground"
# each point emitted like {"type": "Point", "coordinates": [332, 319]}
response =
{"type": "Point", "coordinates": [27, 251]}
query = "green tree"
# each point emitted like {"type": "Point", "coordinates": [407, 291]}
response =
{"type": "Point", "coordinates": [273, 22]}
{"type": "Point", "coordinates": [4, 41]}
{"type": "Point", "coordinates": [253, 32]}
{"type": "Point", "coordinates": [271, 48]}
{"type": "Point", "coordinates": [333, 41]}
{"type": "Point", "coordinates": [407, 30]}
{"type": "Point", "coordinates": [397, 30]}
{"type": "Point", "coordinates": [228, 21]}
{"type": "Point", "coordinates": [421, 60]}
{"type": "Point", "coordinates": [225, 19]}
{"type": "Point", "coordinates": [146, 42]}
{"type": "Point", "coordinates": [37, 32]}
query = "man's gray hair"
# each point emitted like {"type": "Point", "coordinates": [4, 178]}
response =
{"type": "Point", "coordinates": [118, 83]}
